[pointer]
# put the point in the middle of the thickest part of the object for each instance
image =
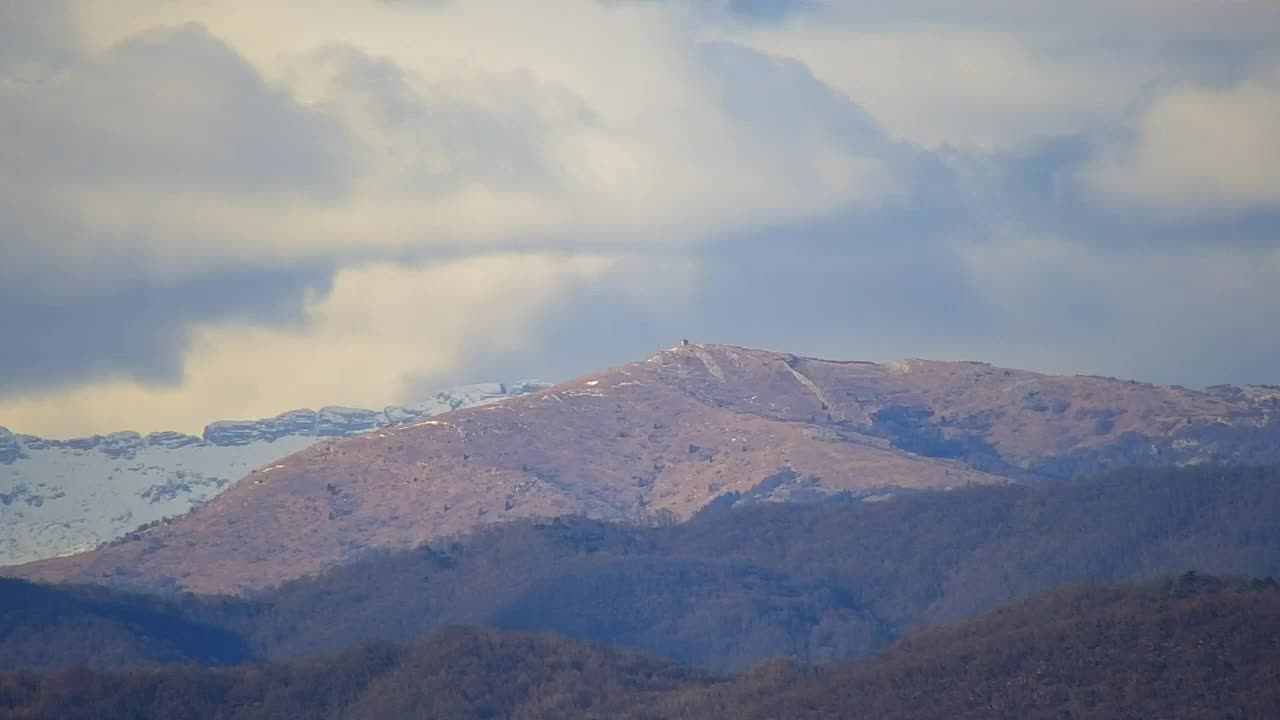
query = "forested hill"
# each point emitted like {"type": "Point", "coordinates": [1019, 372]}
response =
{"type": "Point", "coordinates": [817, 583]}
{"type": "Point", "coordinates": [1190, 647]}
{"type": "Point", "coordinates": [52, 627]}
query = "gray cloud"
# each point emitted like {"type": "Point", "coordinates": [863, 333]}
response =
{"type": "Point", "coordinates": [171, 106]}
{"type": "Point", "coordinates": [781, 98]}
{"type": "Point", "coordinates": [140, 332]}
{"type": "Point", "coordinates": [36, 35]}
{"type": "Point", "coordinates": [748, 10]}
{"type": "Point", "coordinates": [498, 138]}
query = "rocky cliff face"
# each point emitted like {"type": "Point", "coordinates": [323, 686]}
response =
{"type": "Point", "coordinates": [10, 449]}
{"type": "Point", "coordinates": [327, 422]}
{"type": "Point", "coordinates": [661, 439]}
{"type": "Point", "coordinates": [63, 496]}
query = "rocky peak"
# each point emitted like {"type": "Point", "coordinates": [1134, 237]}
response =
{"type": "Point", "coordinates": [172, 440]}
{"type": "Point", "coordinates": [10, 450]}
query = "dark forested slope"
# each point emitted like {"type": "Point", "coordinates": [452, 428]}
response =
{"type": "Point", "coordinates": [458, 673]}
{"type": "Point", "coordinates": [52, 627]}
{"type": "Point", "coordinates": [1191, 647]}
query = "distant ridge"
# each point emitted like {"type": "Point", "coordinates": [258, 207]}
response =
{"type": "Point", "coordinates": [64, 496]}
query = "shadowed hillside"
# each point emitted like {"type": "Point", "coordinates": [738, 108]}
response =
{"type": "Point", "coordinates": [52, 627]}
{"type": "Point", "coordinates": [817, 583]}
{"type": "Point", "coordinates": [1191, 647]}
{"type": "Point", "coordinates": [457, 674]}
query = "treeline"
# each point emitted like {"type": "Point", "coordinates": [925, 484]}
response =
{"type": "Point", "coordinates": [729, 588]}
{"type": "Point", "coordinates": [1190, 647]}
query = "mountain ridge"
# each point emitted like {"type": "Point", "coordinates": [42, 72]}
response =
{"type": "Point", "coordinates": [668, 435]}
{"type": "Point", "coordinates": [63, 496]}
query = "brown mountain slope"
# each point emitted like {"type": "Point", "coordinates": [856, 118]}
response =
{"type": "Point", "coordinates": [671, 434]}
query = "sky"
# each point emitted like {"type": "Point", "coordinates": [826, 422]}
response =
{"type": "Point", "coordinates": [215, 209]}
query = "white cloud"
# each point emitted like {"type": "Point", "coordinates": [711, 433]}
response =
{"type": "Point", "coordinates": [979, 87]}
{"type": "Point", "coordinates": [379, 329]}
{"type": "Point", "coordinates": [995, 73]}
{"type": "Point", "coordinates": [286, 132]}
{"type": "Point", "coordinates": [1196, 150]}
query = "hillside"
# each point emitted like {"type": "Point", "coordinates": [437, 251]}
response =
{"type": "Point", "coordinates": [1190, 647]}
{"type": "Point", "coordinates": [457, 673]}
{"type": "Point", "coordinates": [49, 628]}
{"type": "Point", "coordinates": [64, 496]}
{"type": "Point", "coordinates": [672, 434]}
{"type": "Point", "coordinates": [817, 583]}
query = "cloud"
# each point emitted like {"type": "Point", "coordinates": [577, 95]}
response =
{"type": "Point", "coordinates": [196, 177]}
{"type": "Point", "coordinates": [993, 74]}
{"type": "Point", "coordinates": [1197, 149]}
{"type": "Point", "coordinates": [121, 162]}
{"type": "Point", "coordinates": [166, 162]}
{"type": "Point", "coordinates": [39, 35]}
{"type": "Point", "coordinates": [360, 344]}
{"type": "Point", "coordinates": [140, 332]}
{"type": "Point", "coordinates": [969, 87]}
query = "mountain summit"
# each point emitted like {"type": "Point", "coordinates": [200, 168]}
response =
{"type": "Point", "coordinates": [660, 439]}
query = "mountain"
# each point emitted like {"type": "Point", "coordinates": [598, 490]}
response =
{"type": "Point", "coordinates": [662, 438]}
{"type": "Point", "coordinates": [59, 497]}
{"type": "Point", "coordinates": [817, 583]}
{"type": "Point", "coordinates": [1188, 647]}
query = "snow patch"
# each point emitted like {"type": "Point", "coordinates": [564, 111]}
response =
{"type": "Point", "coordinates": [899, 367]}
{"type": "Point", "coordinates": [810, 385]}
{"type": "Point", "coordinates": [708, 362]}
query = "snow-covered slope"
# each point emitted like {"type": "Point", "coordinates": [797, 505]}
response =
{"type": "Point", "coordinates": [63, 496]}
